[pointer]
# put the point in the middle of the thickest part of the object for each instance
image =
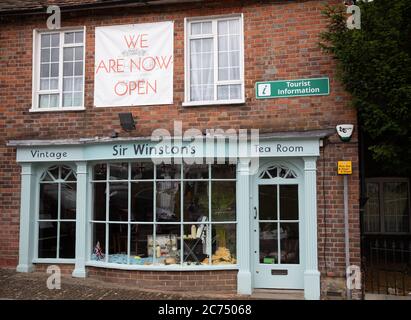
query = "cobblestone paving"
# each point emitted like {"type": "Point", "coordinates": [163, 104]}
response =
{"type": "Point", "coordinates": [33, 286]}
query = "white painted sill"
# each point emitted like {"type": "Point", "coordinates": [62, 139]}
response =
{"type": "Point", "coordinates": [212, 103]}
{"type": "Point", "coordinates": [34, 110]}
{"type": "Point", "coordinates": [159, 268]}
{"type": "Point", "coordinates": [54, 261]}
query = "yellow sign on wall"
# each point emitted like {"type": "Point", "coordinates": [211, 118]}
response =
{"type": "Point", "coordinates": [344, 167]}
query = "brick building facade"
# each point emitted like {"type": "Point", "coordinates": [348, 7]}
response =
{"type": "Point", "coordinates": [280, 42]}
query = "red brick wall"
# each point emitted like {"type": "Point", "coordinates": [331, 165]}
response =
{"type": "Point", "coordinates": [200, 281]}
{"type": "Point", "coordinates": [281, 42]}
{"type": "Point", "coordinates": [223, 281]}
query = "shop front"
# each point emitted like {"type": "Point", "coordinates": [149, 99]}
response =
{"type": "Point", "coordinates": [136, 205]}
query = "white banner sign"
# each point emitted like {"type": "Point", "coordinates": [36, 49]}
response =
{"type": "Point", "coordinates": [134, 65]}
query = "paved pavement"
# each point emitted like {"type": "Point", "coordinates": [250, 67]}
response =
{"type": "Point", "coordinates": [33, 286]}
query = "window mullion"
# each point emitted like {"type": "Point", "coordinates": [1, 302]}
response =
{"type": "Point", "coordinates": [215, 59]}
{"type": "Point", "coordinates": [107, 210]}
{"type": "Point", "coordinates": [154, 213]}
{"type": "Point", "coordinates": [61, 47]}
{"type": "Point", "coordinates": [58, 216]}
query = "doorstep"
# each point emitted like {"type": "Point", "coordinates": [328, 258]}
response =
{"type": "Point", "coordinates": [277, 294]}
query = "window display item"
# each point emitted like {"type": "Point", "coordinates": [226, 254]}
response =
{"type": "Point", "coordinates": [98, 252]}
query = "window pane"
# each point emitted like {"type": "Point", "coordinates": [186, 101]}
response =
{"type": "Point", "coordinates": [54, 72]}
{"type": "Point", "coordinates": [289, 202]}
{"type": "Point", "coordinates": [396, 210]}
{"type": "Point", "coordinates": [67, 100]}
{"type": "Point", "coordinates": [223, 60]}
{"type": "Point", "coordinates": [268, 243]}
{"type": "Point", "coordinates": [206, 27]}
{"type": "Point", "coordinates": [267, 202]}
{"type": "Point", "coordinates": [119, 171]}
{"type": "Point", "coordinates": [224, 244]}
{"type": "Point", "coordinates": [78, 37]}
{"type": "Point", "coordinates": [67, 240]}
{"type": "Point", "coordinates": [45, 40]}
{"type": "Point", "coordinates": [100, 171]}
{"type": "Point", "coordinates": [222, 44]}
{"type": "Point", "coordinates": [68, 201]}
{"type": "Point", "coordinates": [54, 101]}
{"type": "Point", "coordinates": [78, 84]}
{"type": "Point", "coordinates": [45, 55]}
{"type": "Point", "coordinates": [234, 73]}
{"type": "Point", "coordinates": [44, 101]}
{"type": "Point", "coordinates": [142, 198]}
{"type": "Point", "coordinates": [68, 37]}
{"type": "Point", "coordinates": [168, 201]}
{"type": "Point", "coordinates": [223, 201]}
{"type": "Point", "coordinates": [99, 202]}
{"type": "Point", "coordinates": [68, 84]}
{"type": "Point", "coordinates": [142, 170]}
{"type": "Point", "coordinates": [234, 43]}
{"type": "Point", "coordinates": [47, 240]}
{"type": "Point", "coordinates": [68, 68]}
{"type": "Point", "coordinates": [68, 54]}
{"type": "Point", "coordinates": [223, 74]}
{"type": "Point", "coordinates": [55, 54]}
{"type": "Point", "coordinates": [168, 171]}
{"type": "Point", "coordinates": [289, 236]}
{"type": "Point", "coordinates": [196, 200]}
{"type": "Point", "coordinates": [234, 26]}
{"type": "Point", "coordinates": [55, 40]}
{"type": "Point", "coordinates": [208, 93]}
{"type": "Point", "coordinates": [78, 99]}
{"type": "Point", "coordinates": [235, 91]}
{"type": "Point", "coordinates": [45, 70]}
{"type": "Point", "coordinates": [372, 209]}
{"type": "Point", "coordinates": [139, 244]}
{"type": "Point", "coordinates": [196, 28]}
{"type": "Point", "coordinates": [195, 240]}
{"type": "Point", "coordinates": [118, 243]}
{"type": "Point", "coordinates": [166, 247]}
{"type": "Point", "coordinates": [78, 68]}
{"type": "Point", "coordinates": [223, 171]}
{"type": "Point", "coordinates": [118, 203]}
{"type": "Point", "coordinates": [54, 83]}
{"type": "Point", "coordinates": [48, 201]}
{"type": "Point", "coordinates": [223, 92]}
{"type": "Point", "coordinates": [99, 241]}
{"type": "Point", "coordinates": [78, 53]}
{"type": "Point", "coordinates": [44, 84]}
{"type": "Point", "coordinates": [196, 171]}
{"type": "Point", "coordinates": [222, 27]}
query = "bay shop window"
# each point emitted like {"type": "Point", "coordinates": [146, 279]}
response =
{"type": "Point", "coordinates": [168, 214]}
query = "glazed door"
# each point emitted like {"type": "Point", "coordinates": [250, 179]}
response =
{"type": "Point", "coordinates": [277, 230]}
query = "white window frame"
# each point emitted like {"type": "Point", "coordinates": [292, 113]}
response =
{"type": "Point", "coordinates": [36, 69]}
{"type": "Point", "coordinates": [188, 37]}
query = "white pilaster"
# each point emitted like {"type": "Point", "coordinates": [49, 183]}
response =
{"type": "Point", "coordinates": [26, 219]}
{"type": "Point", "coordinates": [81, 221]}
{"type": "Point", "coordinates": [311, 273]}
{"type": "Point", "coordinates": [243, 230]}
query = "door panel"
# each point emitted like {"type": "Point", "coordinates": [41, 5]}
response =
{"type": "Point", "coordinates": [277, 229]}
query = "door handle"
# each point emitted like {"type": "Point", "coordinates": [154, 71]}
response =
{"type": "Point", "coordinates": [255, 213]}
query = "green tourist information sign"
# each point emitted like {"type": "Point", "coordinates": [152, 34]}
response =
{"type": "Point", "coordinates": [292, 88]}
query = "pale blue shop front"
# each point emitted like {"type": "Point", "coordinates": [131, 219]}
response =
{"type": "Point", "coordinates": [273, 214]}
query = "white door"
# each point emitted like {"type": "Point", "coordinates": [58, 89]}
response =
{"type": "Point", "coordinates": [276, 229]}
